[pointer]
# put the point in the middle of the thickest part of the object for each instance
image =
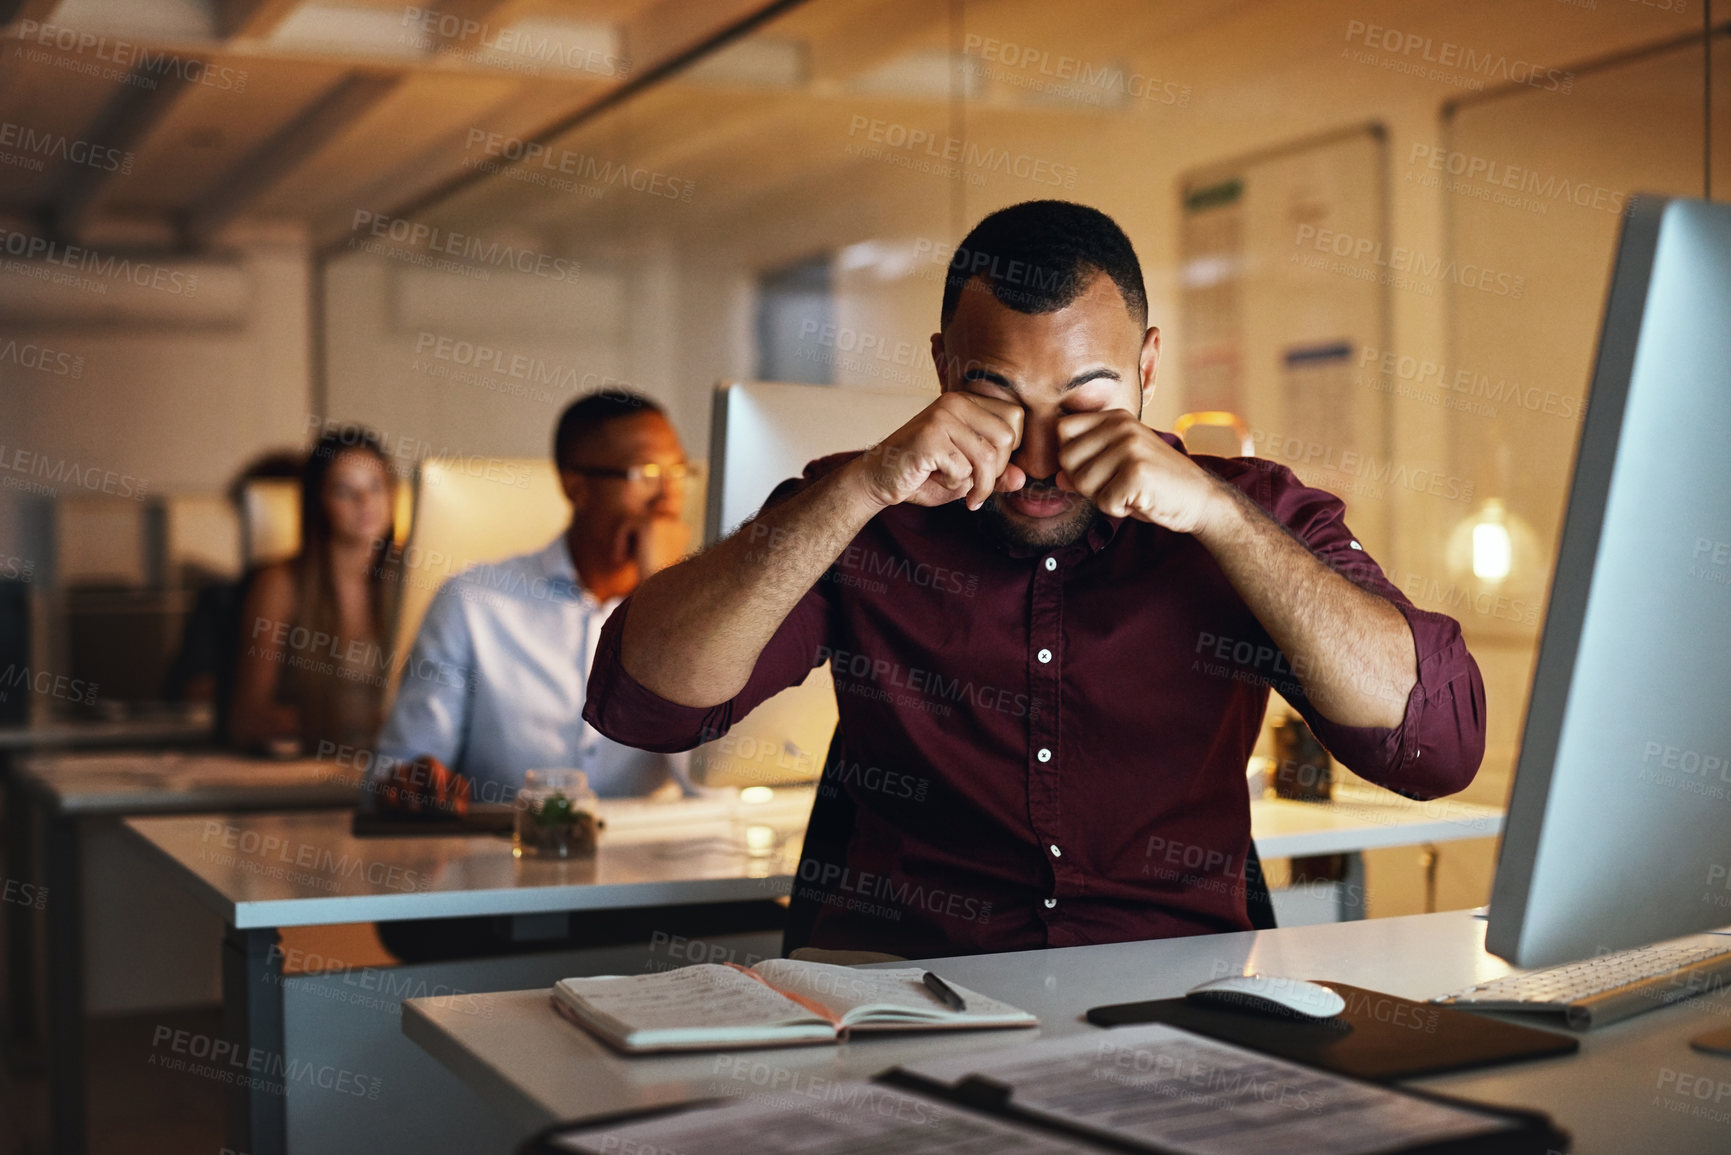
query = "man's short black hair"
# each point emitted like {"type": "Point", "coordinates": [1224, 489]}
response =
{"type": "Point", "coordinates": [585, 417]}
{"type": "Point", "coordinates": [1038, 256]}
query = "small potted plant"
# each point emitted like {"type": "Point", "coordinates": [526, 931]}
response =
{"type": "Point", "coordinates": [558, 816]}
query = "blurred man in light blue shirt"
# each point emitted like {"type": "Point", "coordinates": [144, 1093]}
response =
{"type": "Point", "coordinates": [523, 631]}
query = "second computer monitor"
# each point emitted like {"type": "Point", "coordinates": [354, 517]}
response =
{"type": "Point", "coordinates": [762, 434]}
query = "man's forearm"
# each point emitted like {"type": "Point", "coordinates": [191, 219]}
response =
{"type": "Point", "coordinates": [1351, 650]}
{"type": "Point", "coordinates": [694, 631]}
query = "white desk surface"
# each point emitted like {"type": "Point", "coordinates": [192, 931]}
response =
{"type": "Point", "coordinates": [262, 869]}
{"type": "Point", "coordinates": [1364, 818]}
{"type": "Point", "coordinates": [104, 732]}
{"type": "Point", "coordinates": [306, 869]}
{"type": "Point", "coordinates": [154, 782]}
{"type": "Point", "coordinates": [1615, 1096]}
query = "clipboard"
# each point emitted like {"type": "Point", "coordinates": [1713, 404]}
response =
{"type": "Point", "coordinates": [1528, 1133]}
{"type": "Point", "coordinates": [1531, 1132]}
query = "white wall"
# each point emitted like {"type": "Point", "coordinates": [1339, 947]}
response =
{"type": "Point", "coordinates": [163, 392]}
{"type": "Point", "coordinates": [438, 362]}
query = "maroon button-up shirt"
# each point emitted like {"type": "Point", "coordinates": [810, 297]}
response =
{"type": "Point", "coordinates": [1048, 747]}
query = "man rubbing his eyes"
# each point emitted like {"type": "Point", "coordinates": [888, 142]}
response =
{"type": "Point", "coordinates": [1083, 701]}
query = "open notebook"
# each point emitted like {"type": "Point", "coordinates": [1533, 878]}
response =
{"type": "Point", "coordinates": [775, 1003]}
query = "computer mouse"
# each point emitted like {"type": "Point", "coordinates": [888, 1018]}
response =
{"type": "Point", "coordinates": [1270, 995]}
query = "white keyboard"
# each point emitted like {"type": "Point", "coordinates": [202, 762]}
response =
{"type": "Point", "coordinates": [1613, 986]}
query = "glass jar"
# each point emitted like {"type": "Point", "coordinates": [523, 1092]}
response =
{"type": "Point", "coordinates": [558, 816]}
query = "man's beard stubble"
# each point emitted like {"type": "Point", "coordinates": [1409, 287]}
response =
{"type": "Point", "coordinates": [1051, 533]}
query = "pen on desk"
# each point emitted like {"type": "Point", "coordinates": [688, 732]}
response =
{"type": "Point", "coordinates": [945, 992]}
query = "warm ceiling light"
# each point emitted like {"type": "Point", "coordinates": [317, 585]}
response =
{"type": "Point", "coordinates": [1492, 551]}
{"type": "Point", "coordinates": [1494, 547]}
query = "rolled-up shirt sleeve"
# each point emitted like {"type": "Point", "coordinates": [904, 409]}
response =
{"type": "Point", "coordinates": [1440, 742]}
{"type": "Point", "coordinates": [627, 711]}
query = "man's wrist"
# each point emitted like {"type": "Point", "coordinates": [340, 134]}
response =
{"type": "Point", "coordinates": [854, 485]}
{"type": "Point", "coordinates": [1226, 512]}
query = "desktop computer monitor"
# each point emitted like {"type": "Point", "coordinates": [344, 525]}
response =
{"type": "Point", "coordinates": [1619, 825]}
{"type": "Point", "coordinates": [763, 433]}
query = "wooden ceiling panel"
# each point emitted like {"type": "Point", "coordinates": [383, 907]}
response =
{"type": "Point", "coordinates": [47, 101]}
{"type": "Point", "coordinates": [401, 131]}
{"type": "Point", "coordinates": [520, 114]}
{"type": "Point", "coordinates": [747, 142]}
{"type": "Point", "coordinates": [211, 129]}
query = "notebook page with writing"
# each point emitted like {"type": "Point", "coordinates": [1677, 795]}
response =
{"type": "Point", "coordinates": [1189, 1095]}
{"type": "Point", "coordinates": [702, 1003]}
{"type": "Point", "coordinates": [884, 998]}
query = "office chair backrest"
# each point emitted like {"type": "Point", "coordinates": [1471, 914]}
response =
{"type": "Point", "coordinates": [270, 521]}
{"type": "Point", "coordinates": [469, 511]}
{"type": "Point", "coordinates": [473, 510]}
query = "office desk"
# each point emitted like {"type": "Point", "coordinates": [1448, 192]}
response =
{"type": "Point", "coordinates": [263, 872]}
{"type": "Point", "coordinates": [1365, 819]}
{"type": "Point", "coordinates": [1361, 818]}
{"type": "Point", "coordinates": [62, 792]}
{"type": "Point", "coordinates": [76, 734]}
{"type": "Point", "coordinates": [1616, 1096]}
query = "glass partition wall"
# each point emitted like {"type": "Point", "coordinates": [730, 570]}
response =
{"type": "Point", "coordinates": [1375, 235]}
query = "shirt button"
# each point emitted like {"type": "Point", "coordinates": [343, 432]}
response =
{"type": "Point", "coordinates": [1050, 903]}
{"type": "Point", "coordinates": [1056, 853]}
{"type": "Point", "coordinates": [1044, 656]}
{"type": "Point", "coordinates": [1051, 564]}
{"type": "Point", "coordinates": [1043, 754]}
